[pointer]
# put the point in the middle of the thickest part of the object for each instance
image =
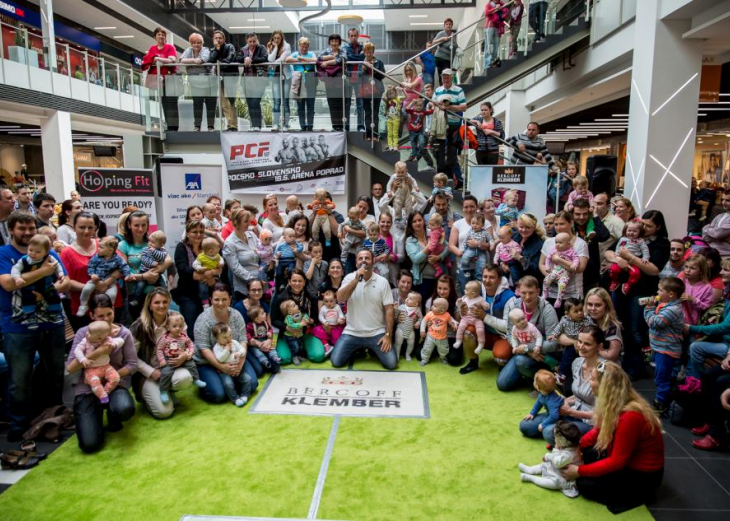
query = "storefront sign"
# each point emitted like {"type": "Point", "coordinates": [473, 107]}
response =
{"type": "Point", "coordinates": [529, 182]}
{"type": "Point", "coordinates": [259, 163]}
{"type": "Point", "coordinates": [349, 393]}
{"type": "Point", "coordinates": [107, 191]}
{"type": "Point", "coordinates": [183, 186]}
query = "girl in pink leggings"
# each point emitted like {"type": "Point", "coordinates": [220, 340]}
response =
{"type": "Point", "coordinates": [331, 315]}
{"type": "Point", "coordinates": [98, 370]}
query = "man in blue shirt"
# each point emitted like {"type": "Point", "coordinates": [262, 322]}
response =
{"type": "Point", "coordinates": [21, 340]}
{"type": "Point", "coordinates": [353, 49]}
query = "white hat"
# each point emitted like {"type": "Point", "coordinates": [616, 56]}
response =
{"type": "Point", "coordinates": [447, 71]}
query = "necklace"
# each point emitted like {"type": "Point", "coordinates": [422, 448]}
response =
{"type": "Point", "coordinates": [85, 251]}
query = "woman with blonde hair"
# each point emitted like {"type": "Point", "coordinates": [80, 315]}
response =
{"type": "Point", "coordinates": [599, 307]}
{"type": "Point", "coordinates": [531, 237]}
{"type": "Point", "coordinates": [279, 50]}
{"type": "Point", "coordinates": [623, 454]}
{"type": "Point", "coordinates": [623, 208]}
{"type": "Point", "coordinates": [272, 219]}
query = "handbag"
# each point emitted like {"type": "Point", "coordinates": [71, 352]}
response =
{"type": "Point", "coordinates": [297, 81]}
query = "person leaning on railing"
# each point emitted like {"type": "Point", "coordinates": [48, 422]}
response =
{"type": "Point", "coordinates": [371, 89]}
{"type": "Point", "coordinates": [224, 54]}
{"type": "Point", "coordinates": [252, 55]}
{"type": "Point", "coordinates": [304, 83]}
{"type": "Point", "coordinates": [201, 86]}
{"type": "Point", "coordinates": [157, 57]}
{"type": "Point", "coordinates": [329, 67]}
{"type": "Point", "coordinates": [447, 47]}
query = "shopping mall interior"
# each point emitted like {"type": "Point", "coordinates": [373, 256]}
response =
{"type": "Point", "coordinates": [156, 106]}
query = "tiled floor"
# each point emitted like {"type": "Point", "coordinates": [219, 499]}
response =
{"type": "Point", "coordinates": [696, 484]}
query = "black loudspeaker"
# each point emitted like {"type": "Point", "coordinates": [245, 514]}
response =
{"type": "Point", "coordinates": [601, 174]}
{"type": "Point", "coordinates": [105, 151]}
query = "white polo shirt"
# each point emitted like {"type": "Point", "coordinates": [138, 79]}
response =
{"type": "Point", "coordinates": [365, 308]}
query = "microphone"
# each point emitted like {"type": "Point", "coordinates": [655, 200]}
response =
{"type": "Point", "coordinates": [361, 266]}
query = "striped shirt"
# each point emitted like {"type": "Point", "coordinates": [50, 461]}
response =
{"type": "Point", "coordinates": [488, 142]}
{"type": "Point", "coordinates": [665, 327]}
{"type": "Point", "coordinates": [532, 147]}
{"type": "Point", "coordinates": [456, 97]}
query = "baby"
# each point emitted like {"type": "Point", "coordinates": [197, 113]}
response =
{"type": "Point", "coordinates": [101, 266]}
{"type": "Point", "coordinates": [286, 254]}
{"type": "Point", "coordinates": [330, 314]}
{"type": "Point", "coordinates": [50, 232]}
{"type": "Point", "coordinates": [547, 397]}
{"type": "Point", "coordinates": [437, 241]}
{"type": "Point", "coordinates": [296, 322]}
{"type": "Point", "coordinates": [434, 329]}
{"type": "Point", "coordinates": [401, 185]}
{"type": "Point", "coordinates": [580, 191]}
{"type": "Point", "coordinates": [408, 318]}
{"type": "Point", "coordinates": [558, 272]}
{"type": "Point", "coordinates": [228, 350]}
{"type": "Point", "coordinates": [321, 206]}
{"type": "Point", "coordinates": [39, 249]}
{"type": "Point", "coordinates": [293, 207]}
{"type": "Point", "coordinates": [173, 343]}
{"type": "Point", "coordinates": [440, 182]}
{"type": "Point", "coordinates": [151, 257]}
{"type": "Point", "coordinates": [504, 252]}
{"type": "Point", "coordinates": [570, 326]}
{"type": "Point", "coordinates": [473, 300]}
{"type": "Point", "coordinates": [259, 336]}
{"type": "Point", "coordinates": [265, 250]}
{"type": "Point", "coordinates": [209, 220]}
{"type": "Point", "coordinates": [98, 370]}
{"type": "Point", "coordinates": [507, 210]}
{"type": "Point", "coordinates": [633, 241]}
{"type": "Point", "coordinates": [377, 245]}
{"type": "Point", "coordinates": [350, 241]}
{"type": "Point", "coordinates": [566, 452]}
{"type": "Point", "coordinates": [476, 257]}
{"type": "Point", "coordinates": [209, 259]}
{"type": "Point", "coordinates": [524, 336]}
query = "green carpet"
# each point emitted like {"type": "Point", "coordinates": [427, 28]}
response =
{"type": "Point", "coordinates": [461, 464]}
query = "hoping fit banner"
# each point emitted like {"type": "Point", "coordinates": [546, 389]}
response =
{"type": "Point", "coordinates": [264, 162]}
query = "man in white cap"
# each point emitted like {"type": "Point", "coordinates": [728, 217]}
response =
{"type": "Point", "coordinates": [449, 97]}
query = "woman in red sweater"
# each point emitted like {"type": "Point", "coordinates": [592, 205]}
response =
{"type": "Point", "coordinates": [623, 455]}
{"type": "Point", "coordinates": [164, 54]}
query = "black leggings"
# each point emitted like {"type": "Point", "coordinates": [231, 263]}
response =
{"type": "Point", "coordinates": [622, 490]}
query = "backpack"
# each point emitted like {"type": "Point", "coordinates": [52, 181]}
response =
{"type": "Point", "coordinates": [693, 244]}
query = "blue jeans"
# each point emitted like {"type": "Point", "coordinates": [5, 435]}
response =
{"type": "Point", "coordinates": [348, 344]}
{"type": "Point", "coordinates": [698, 351]}
{"type": "Point", "coordinates": [518, 367]}
{"type": "Point", "coordinates": [46, 379]}
{"type": "Point", "coordinates": [276, 86]}
{"type": "Point", "coordinates": [237, 387]}
{"type": "Point", "coordinates": [305, 107]}
{"type": "Point", "coordinates": [664, 367]}
{"type": "Point", "coordinates": [418, 142]}
{"type": "Point", "coordinates": [190, 309]}
{"type": "Point", "coordinates": [214, 392]}
{"type": "Point", "coordinates": [529, 429]}
{"type": "Point", "coordinates": [350, 89]}
{"type": "Point", "coordinates": [492, 50]}
{"type": "Point", "coordinates": [475, 259]}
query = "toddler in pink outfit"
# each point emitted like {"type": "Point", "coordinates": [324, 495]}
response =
{"type": "Point", "coordinates": [98, 369]}
{"type": "Point", "coordinates": [472, 299]}
{"type": "Point", "coordinates": [436, 241]}
{"type": "Point", "coordinates": [559, 273]}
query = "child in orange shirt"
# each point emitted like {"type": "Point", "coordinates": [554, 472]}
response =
{"type": "Point", "coordinates": [434, 328]}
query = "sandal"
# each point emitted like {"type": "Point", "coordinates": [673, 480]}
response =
{"type": "Point", "coordinates": [9, 462]}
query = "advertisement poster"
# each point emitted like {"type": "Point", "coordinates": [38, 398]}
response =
{"type": "Point", "coordinates": [528, 182]}
{"type": "Point", "coordinates": [264, 162]}
{"type": "Point", "coordinates": [107, 191]}
{"type": "Point", "coordinates": [182, 186]}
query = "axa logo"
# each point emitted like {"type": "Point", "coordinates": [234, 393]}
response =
{"type": "Point", "coordinates": [193, 182]}
{"type": "Point", "coordinates": [250, 150]}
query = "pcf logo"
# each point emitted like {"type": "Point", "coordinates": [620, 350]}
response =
{"type": "Point", "coordinates": [193, 182]}
{"type": "Point", "coordinates": [251, 150]}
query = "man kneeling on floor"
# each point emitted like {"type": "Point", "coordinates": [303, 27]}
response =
{"type": "Point", "coordinates": [369, 314]}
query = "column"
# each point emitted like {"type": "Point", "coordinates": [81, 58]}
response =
{"type": "Point", "coordinates": [517, 115]}
{"type": "Point", "coordinates": [58, 155]}
{"type": "Point", "coordinates": [662, 116]}
{"type": "Point", "coordinates": [49, 34]}
{"type": "Point", "coordinates": [133, 150]}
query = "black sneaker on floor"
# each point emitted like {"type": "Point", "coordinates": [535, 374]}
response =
{"type": "Point", "coordinates": [470, 367]}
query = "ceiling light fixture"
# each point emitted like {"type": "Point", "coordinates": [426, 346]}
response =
{"type": "Point", "coordinates": [620, 115]}
{"type": "Point", "coordinates": [256, 20]}
{"type": "Point", "coordinates": [250, 27]}
{"type": "Point", "coordinates": [104, 28]}
{"type": "Point", "coordinates": [417, 16]}
{"type": "Point", "coordinates": [123, 37]}
{"type": "Point", "coordinates": [292, 4]}
{"type": "Point", "coordinates": [427, 23]}
{"type": "Point", "coordinates": [349, 19]}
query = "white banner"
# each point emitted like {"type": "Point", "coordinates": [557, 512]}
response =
{"type": "Point", "coordinates": [530, 183]}
{"type": "Point", "coordinates": [107, 191]}
{"type": "Point", "coordinates": [183, 186]}
{"type": "Point", "coordinates": [349, 393]}
{"type": "Point", "coordinates": [265, 162]}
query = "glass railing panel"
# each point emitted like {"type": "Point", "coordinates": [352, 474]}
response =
{"type": "Point", "coordinates": [77, 64]}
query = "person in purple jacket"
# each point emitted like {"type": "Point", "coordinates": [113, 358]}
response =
{"type": "Point", "coordinates": [88, 411]}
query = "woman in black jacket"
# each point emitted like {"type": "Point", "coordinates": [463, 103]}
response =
{"type": "Point", "coordinates": [224, 54]}
{"type": "Point", "coordinates": [187, 294]}
{"type": "Point", "coordinates": [295, 291]}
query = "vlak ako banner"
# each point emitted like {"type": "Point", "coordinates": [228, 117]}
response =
{"type": "Point", "coordinates": [183, 186]}
{"type": "Point", "coordinates": [262, 162]}
{"type": "Point", "coordinates": [528, 182]}
{"type": "Point", "coordinates": [107, 191]}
